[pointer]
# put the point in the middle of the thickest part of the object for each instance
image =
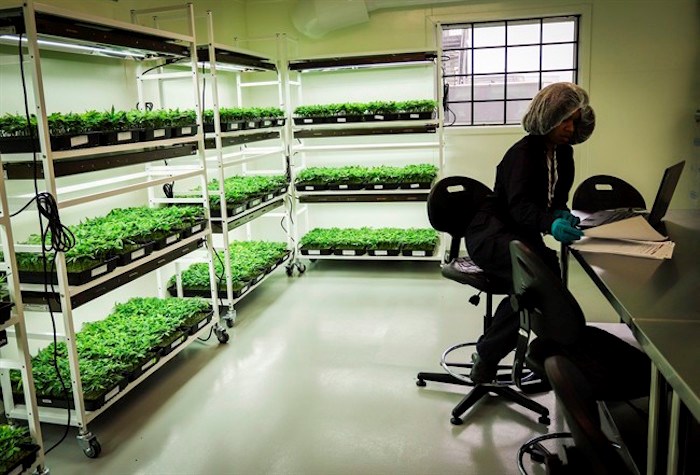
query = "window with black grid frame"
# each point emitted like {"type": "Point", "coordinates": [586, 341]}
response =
{"type": "Point", "coordinates": [493, 69]}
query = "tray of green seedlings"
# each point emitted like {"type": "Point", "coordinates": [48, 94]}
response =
{"type": "Point", "coordinates": [106, 242]}
{"type": "Point", "coordinates": [17, 450]}
{"type": "Point", "coordinates": [250, 261]}
{"type": "Point", "coordinates": [374, 111]}
{"type": "Point", "coordinates": [419, 242]}
{"type": "Point", "coordinates": [374, 241]}
{"type": "Point", "coordinates": [353, 177]}
{"type": "Point", "coordinates": [114, 351]}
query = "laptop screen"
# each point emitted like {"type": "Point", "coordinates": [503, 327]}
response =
{"type": "Point", "coordinates": [665, 193]}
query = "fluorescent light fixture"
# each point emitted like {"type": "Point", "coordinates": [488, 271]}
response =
{"type": "Point", "coordinates": [228, 67]}
{"type": "Point", "coordinates": [365, 66]}
{"type": "Point", "coordinates": [74, 47]}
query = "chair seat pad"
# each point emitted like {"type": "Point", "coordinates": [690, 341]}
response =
{"type": "Point", "coordinates": [465, 271]}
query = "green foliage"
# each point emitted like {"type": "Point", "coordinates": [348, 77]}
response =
{"type": "Point", "coordinates": [240, 189]}
{"type": "Point", "coordinates": [371, 238]}
{"type": "Point", "coordinates": [110, 347]}
{"type": "Point", "coordinates": [423, 173]}
{"type": "Point", "coordinates": [248, 260]}
{"type": "Point", "coordinates": [360, 108]}
{"type": "Point", "coordinates": [11, 441]}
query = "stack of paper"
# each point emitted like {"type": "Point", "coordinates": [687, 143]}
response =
{"type": "Point", "coordinates": [630, 237]}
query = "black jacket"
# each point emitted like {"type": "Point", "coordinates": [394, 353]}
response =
{"type": "Point", "coordinates": [518, 208]}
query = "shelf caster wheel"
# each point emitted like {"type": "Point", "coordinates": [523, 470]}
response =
{"type": "Point", "coordinates": [301, 268]}
{"type": "Point", "coordinates": [289, 270]}
{"type": "Point", "coordinates": [90, 445]}
{"type": "Point", "coordinates": [229, 322]}
{"type": "Point", "coordinates": [544, 420]}
{"type": "Point", "coordinates": [222, 335]}
{"type": "Point", "coordinates": [456, 421]}
{"type": "Point", "coordinates": [420, 383]}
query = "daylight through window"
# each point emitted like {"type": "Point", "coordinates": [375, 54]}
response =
{"type": "Point", "coordinates": [492, 70]}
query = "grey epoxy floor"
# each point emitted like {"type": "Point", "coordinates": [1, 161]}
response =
{"type": "Point", "coordinates": [319, 378]}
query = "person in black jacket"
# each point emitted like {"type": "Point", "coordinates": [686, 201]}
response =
{"type": "Point", "coordinates": [529, 199]}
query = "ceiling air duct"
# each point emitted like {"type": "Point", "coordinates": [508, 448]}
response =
{"type": "Point", "coordinates": [315, 18]}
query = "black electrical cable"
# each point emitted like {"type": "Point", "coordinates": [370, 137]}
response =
{"type": "Point", "coordinates": [46, 206]}
{"type": "Point", "coordinates": [168, 62]}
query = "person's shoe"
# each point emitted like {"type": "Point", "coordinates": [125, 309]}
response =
{"type": "Point", "coordinates": [482, 371]}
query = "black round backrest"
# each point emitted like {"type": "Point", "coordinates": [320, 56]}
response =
{"type": "Point", "coordinates": [606, 192]}
{"type": "Point", "coordinates": [452, 203]}
{"type": "Point", "coordinates": [555, 314]}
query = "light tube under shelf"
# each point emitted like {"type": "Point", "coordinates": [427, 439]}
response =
{"type": "Point", "coordinates": [259, 83]}
{"type": "Point", "coordinates": [328, 148]}
{"type": "Point", "coordinates": [76, 48]}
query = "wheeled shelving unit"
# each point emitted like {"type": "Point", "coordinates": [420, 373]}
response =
{"type": "Point", "coordinates": [242, 148]}
{"type": "Point", "coordinates": [16, 327]}
{"type": "Point", "coordinates": [69, 30]}
{"type": "Point", "coordinates": [364, 137]}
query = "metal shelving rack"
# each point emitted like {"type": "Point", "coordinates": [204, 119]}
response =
{"type": "Point", "coordinates": [346, 131]}
{"type": "Point", "coordinates": [17, 327]}
{"type": "Point", "coordinates": [234, 148]}
{"type": "Point", "coordinates": [125, 40]}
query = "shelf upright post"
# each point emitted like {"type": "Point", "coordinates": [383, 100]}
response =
{"type": "Point", "coordinates": [21, 338]}
{"type": "Point", "coordinates": [231, 313]}
{"type": "Point", "coordinates": [439, 93]}
{"type": "Point", "coordinates": [84, 435]}
{"type": "Point", "coordinates": [204, 182]}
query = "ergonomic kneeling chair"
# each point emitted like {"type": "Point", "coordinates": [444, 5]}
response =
{"type": "Point", "coordinates": [452, 203]}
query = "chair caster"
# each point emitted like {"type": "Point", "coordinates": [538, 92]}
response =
{"type": "Point", "coordinates": [420, 383]}
{"type": "Point", "coordinates": [456, 421]}
{"type": "Point", "coordinates": [544, 420]}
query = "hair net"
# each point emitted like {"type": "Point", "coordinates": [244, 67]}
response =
{"type": "Point", "coordinates": [555, 103]}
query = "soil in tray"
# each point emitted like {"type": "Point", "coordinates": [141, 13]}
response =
{"type": "Point", "coordinates": [24, 459]}
{"type": "Point", "coordinates": [74, 277]}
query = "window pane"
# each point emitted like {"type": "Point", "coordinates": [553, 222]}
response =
{"type": "Point", "coordinates": [489, 34]}
{"type": "Point", "coordinates": [558, 56]}
{"type": "Point", "coordinates": [558, 76]}
{"type": "Point", "coordinates": [523, 86]}
{"type": "Point", "coordinates": [489, 87]}
{"type": "Point", "coordinates": [523, 33]}
{"type": "Point", "coordinates": [461, 90]}
{"type": "Point", "coordinates": [524, 58]}
{"type": "Point", "coordinates": [488, 113]}
{"type": "Point", "coordinates": [492, 60]}
{"type": "Point", "coordinates": [456, 38]}
{"type": "Point", "coordinates": [558, 30]}
{"type": "Point", "coordinates": [457, 62]}
{"type": "Point", "coordinates": [459, 114]}
{"type": "Point", "coordinates": [515, 110]}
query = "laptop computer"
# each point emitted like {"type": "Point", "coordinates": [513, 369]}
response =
{"type": "Point", "coordinates": [661, 203]}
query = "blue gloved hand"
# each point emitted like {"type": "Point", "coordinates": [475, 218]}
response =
{"type": "Point", "coordinates": [562, 213]}
{"type": "Point", "coordinates": [564, 232]}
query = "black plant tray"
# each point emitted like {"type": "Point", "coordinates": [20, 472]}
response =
{"type": "Point", "coordinates": [5, 311]}
{"type": "Point", "coordinates": [266, 123]}
{"type": "Point", "coordinates": [382, 186]}
{"type": "Point", "coordinates": [231, 211]}
{"type": "Point", "coordinates": [136, 254]}
{"type": "Point", "coordinates": [417, 252]}
{"type": "Point", "coordinates": [142, 366]}
{"type": "Point", "coordinates": [381, 117]}
{"type": "Point", "coordinates": [184, 131]}
{"type": "Point", "coordinates": [316, 252]}
{"type": "Point", "coordinates": [74, 278]}
{"type": "Point", "coordinates": [310, 120]}
{"type": "Point", "coordinates": [280, 121]}
{"type": "Point", "coordinates": [343, 119]}
{"type": "Point", "coordinates": [194, 324]}
{"type": "Point", "coordinates": [206, 293]}
{"type": "Point", "coordinates": [349, 252]}
{"type": "Point", "coordinates": [344, 187]}
{"type": "Point", "coordinates": [416, 186]}
{"type": "Point", "coordinates": [253, 202]}
{"type": "Point", "coordinates": [23, 459]}
{"type": "Point", "coordinates": [115, 137]}
{"type": "Point", "coordinates": [383, 252]}
{"type": "Point", "coordinates": [3, 338]}
{"type": "Point", "coordinates": [303, 187]}
{"type": "Point", "coordinates": [253, 124]}
{"type": "Point", "coordinates": [92, 401]}
{"type": "Point", "coordinates": [167, 241]}
{"type": "Point", "coordinates": [282, 190]}
{"type": "Point", "coordinates": [168, 344]}
{"type": "Point", "coordinates": [197, 227]}
{"type": "Point", "coordinates": [58, 143]}
{"type": "Point", "coordinates": [161, 133]}
{"type": "Point", "coordinates": [416, 115]}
